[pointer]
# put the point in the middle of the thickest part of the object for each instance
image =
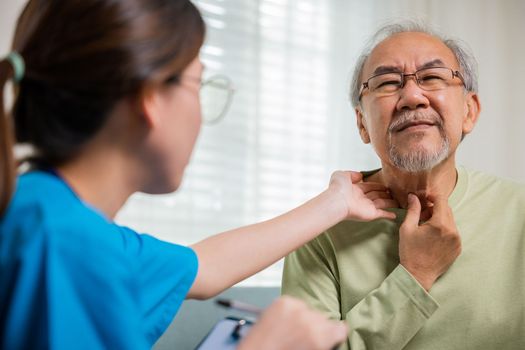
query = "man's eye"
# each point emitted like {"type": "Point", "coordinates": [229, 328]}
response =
{"type": "Point", "coordinates": [388, 83]}
{"type": "Point", "coordinates": [432, 77]}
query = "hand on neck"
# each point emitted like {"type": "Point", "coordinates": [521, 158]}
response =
{"type": "Point", "coordinates": [438, 181]}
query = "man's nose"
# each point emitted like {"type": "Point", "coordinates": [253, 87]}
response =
{"type": "Point", "coordinates": [411, 96]}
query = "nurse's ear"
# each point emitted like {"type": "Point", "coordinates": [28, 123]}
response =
{"type": "Point", "coordinates": [150, 107]}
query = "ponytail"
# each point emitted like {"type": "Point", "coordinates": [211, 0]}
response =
{"type": "Point", "coordinates": [10, 67]}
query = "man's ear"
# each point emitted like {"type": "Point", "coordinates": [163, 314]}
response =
{"type": "Point", "coordinates": [361, 125]}
{"type": "Point", "coordinates": [472, 110]}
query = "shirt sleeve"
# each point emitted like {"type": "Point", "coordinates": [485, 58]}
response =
{"type": "Point", "coordinates": [115, 288]}
{"type": "Point", "coordinates": [386, 318]}
{"type": "Point", "coordinates": [164, 274]}
{"type": "Point", "coordinates": [73, 279]}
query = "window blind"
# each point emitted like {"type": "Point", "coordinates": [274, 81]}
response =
{"type": "Point", "coordinates": [274, 150]}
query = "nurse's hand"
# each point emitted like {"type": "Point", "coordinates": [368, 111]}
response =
{"type": "Point", "coordinates": [358, 206]}
{"type": "Point", "coordinates": [379, 194]}
{"type": "Point", "coordinates": [290, 324]}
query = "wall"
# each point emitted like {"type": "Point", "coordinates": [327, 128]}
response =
{"type": "Point", "coordinates": [492, 28]}
{"type": "Point", "coordinates": [494, 31]}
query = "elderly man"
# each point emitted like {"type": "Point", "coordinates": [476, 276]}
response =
{"type": "Point", "coordinates": [449, 273]}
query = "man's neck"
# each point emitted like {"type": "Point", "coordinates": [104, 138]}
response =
{"type": "Point", "coordinates": [438, 181]}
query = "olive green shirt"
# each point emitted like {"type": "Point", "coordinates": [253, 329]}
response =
{"type": "Point", "coordinates": [352, 272]}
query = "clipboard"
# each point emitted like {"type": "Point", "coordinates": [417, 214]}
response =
{"type": "Point", "coordinates": [226, 334]}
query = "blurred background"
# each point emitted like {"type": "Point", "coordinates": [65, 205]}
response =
{"type": "Point", "coordinates": [291, 123]}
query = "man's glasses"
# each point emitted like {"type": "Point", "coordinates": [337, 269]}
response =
{"type": "Point", "coordinates": [429, 79]}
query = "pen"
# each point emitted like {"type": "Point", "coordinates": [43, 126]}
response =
{"type": "Point", "coordinates": [240, 306]}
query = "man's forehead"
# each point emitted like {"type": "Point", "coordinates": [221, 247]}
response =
{"type": "Point", "coordinates": [409, 51]}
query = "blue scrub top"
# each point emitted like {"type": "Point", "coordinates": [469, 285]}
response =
{"type": "Point", "coordinates": [72, 279]}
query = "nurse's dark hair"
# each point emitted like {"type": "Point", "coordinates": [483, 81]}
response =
{"type": "Point", "coordinates": [81, 58]}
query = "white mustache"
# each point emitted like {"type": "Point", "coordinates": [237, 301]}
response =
{"type": "Point", "coordinates": [408, 117]}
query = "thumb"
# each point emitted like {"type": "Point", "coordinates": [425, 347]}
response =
{"type": "Point", "coordinates": [413, 212]}
{"type": "Point", "coordinates": [339, 333]}
{"type": "Point", "coordinates": [356, 176]}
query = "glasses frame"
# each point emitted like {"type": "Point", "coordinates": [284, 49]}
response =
{"type": "Point", "coordinates": [214, 81]}
{"type": "Point", "coordinates": [365, 85]}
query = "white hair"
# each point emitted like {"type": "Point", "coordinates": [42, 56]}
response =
{"type": "Point", "coordinates": [464, 56]}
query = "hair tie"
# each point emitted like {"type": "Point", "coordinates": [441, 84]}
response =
{"type": "Point", "coordinates": [18, 64]}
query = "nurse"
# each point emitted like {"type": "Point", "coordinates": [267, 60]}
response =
{"type": "Point", "coordinates": [107, 95]}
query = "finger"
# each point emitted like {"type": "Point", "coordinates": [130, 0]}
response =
{"type": "Point", "coordinates": [356, 176]}
{"type": "Point", "coordinates": [337, 335]}
{"type": "Point", "coordinates": [426, 214]}
{"type": "Point", "coordinates": [440, 207]}
{"type": "Point", "coordinates": [385, 203]}
{"type": "Point", "coordinates": [383, 214]}
{"type": "Point", "coordinates": [413, 212]}
{"type": "Point", "coordinates": [378, 194]}
{"type": "Point", "coordinates": [372, 186]}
